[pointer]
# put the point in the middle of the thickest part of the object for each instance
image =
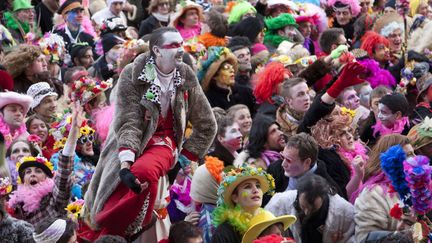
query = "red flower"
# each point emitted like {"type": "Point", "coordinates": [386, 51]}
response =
{"type": "Point", "coordinates": [186, 95]}
{"type": "Point", "coordinates": [391, 189]}
{"type": "Point", "coordinates": [396, 211]}
{"type": "Point", "coordinates": [103, 85]}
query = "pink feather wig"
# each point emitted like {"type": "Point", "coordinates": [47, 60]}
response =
{"type": "Point", "coordinates": [378, 75]}
{"type": "Point", "coordinates": [103, 119]}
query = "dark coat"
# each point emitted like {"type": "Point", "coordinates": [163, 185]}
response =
{"type": "Point", "coordinates": [223, 154]}
{"type": "Point", "coordinates": [336, 168]}
{"type": "Point", "coordinates": [367, 135]}
{"type": "Point", "coordinates": [317, 110]}
{"type": "Point", "coordinates": [44, 17]}
{"type": "Point", "coordinates": [219, 97]}
{"type": "Point", "coordinates": [420, 113]}
{"type": "Point", "coordinates": [225, 233]}
{"type": "Point", "coordinates": [149, 24]}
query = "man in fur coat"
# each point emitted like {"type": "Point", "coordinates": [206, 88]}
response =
{"type": "Point", "coordinates": [157, 95]}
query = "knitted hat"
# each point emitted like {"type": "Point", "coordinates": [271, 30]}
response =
{"type": "Point", "coordinates": [112, 24]}
{"type": "Point", "coordinates": [211, 62]}
{"type": "Point", "coordinates": [39, 91]}
{"type": "Point", "coordinates": [68, 6]}
{"type": "Point", "coordinates": [240, 9]}
{"type": "Point", "coordinates": [6, 81]}
{"type": "Point", "coordinates": [235, 176]}
{"type": "Point", "coordinates": [249, 27]}
{"type": "Point", "coordinates": [206, 180]}
{"type": "Point", "coordinates": [52, 45]}
{"type": "Point", "coordinates": [7, 98]}
{"type": "Point", "coordinates": [21, 4]}
{"type": "Point", "coordinates": [262, 221]}
{"type": "Point", "coordinates": [388, 23]}
{"type": "Point", "coordinates": [395, 102]}
{"type": "Point", "coordinates": [258, 48]}
{"type": "Point", "coordinates": [238, 42]}
{"type": "Point", "coordinates": [85, 88]}
{"type": "Point", "coordinates": [280, 22]}
{"type": "Point", "coordinates": [109, 41]}
{"type": "Point", "coordinates": [182, 8]}
{"type": "Point", "coordinates": [421, 134]}
{"type": "Point", "coordinates": [353, 5]}
{"type": "Point", "coordinates": [39, 162]}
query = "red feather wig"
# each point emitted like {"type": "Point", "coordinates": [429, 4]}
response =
{"type": "Point", "coordinates": [268, 81]}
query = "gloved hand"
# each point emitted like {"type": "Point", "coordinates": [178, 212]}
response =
{"type": "Point", "coordinates": [349, 76]}
{"type": "Point", "coordinates": [131, 181]}
{"type": "Point", "coordinates": [336, 53]}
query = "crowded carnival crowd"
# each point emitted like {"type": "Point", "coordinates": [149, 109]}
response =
{"type": "Point", "coordinates": [215, 121]}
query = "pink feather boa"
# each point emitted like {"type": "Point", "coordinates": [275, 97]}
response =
{"type": "Point", "coordinates": [31, 196]}
{"type": "Point", "coordinates": [103, 118]}
{"type": "Point", "coordinates": [9, 137]}
{"type": "Point", "coordinates": [86, 24]}
{"type": "Point", "coordinates": [378, 76]}
{"type": "Point", "coordinates": [398, 127]}
{"type": "Point", "coordinates": [349, 155]}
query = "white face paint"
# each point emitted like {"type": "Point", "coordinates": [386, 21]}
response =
{"type": "Point", "coordinates": [170, 52]}
{"type": "Point", "coordinates": [232, 137]}
{"type": "Point", "coordinates": [386, 116]}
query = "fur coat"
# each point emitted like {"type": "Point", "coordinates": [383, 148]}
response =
{"type": "Point", "coordinates": [135, 121]}
{"type": "Point", "coordinates": [340, 212]}
{"type": "Point", "coordinates": [13, 230]}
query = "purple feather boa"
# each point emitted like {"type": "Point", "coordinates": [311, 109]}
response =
{"type": "Point", "coordinates": [378, 75]}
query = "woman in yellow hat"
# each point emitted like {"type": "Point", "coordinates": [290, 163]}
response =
{"type": "Point", "coordinates": [240, 197]}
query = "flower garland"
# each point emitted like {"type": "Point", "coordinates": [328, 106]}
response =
{"type": "Point", "coordinates": [85, 88]}
{"type": "Point", "coordinates": [61, 127]}
{"type": "Point", "coordinates": [398, 127]}
{"type": "Point", "coordinates": [8, 136]}
{"type": "Point", "coordinates": [236, 217]}
{"type": "Point", "coordinates": [40, 160]}
{"type": "Point", "coordinates": [418, 177]}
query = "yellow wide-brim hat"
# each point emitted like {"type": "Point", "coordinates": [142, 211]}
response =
{"type": "Point", "coordinates": [262, 221]}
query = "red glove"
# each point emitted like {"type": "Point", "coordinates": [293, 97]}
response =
{"type": "Point", "coordinates": [348, 77]}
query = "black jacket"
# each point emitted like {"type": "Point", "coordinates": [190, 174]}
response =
{"type": "Point", "coordinates": [44, 17]}
{"type": "Point", "coordinates": [219, 97]}
{"type": "Point", "coordinates": [223, 154]}
{"type": "Point", "coordinates": [336, 169]}
{"type": "Point", "coordinates": [225, 233]}
{"type": "Point", "coordinates": [149, 24]}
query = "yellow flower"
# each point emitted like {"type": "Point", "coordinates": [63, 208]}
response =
{"type": "Point", "coordinates": [84, 130]}
{"type": "Point", "coordinates": [74, 209]}
{"type": "Point", "coordinates": [349, 112]}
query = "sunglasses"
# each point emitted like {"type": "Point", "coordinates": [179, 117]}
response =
{"type": "Point", "coordinates": [172, 45]}
{"type": "Point", "coordinates": [85, 139]}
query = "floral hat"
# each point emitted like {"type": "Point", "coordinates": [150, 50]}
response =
{"type": "Point", "coordinates": [5, 186]}
{"type": "Point", "coordinates": [39, 162]}
{"type": "Point", "coordinates": [61, 127]}
{"type": "Point", "coordinates": [421, 134]}
{"type": "Point", "coordinates": [86, 88]}
{"type": "Point", "coordinates": [53, 46]}
{"type": "Point", "coordinates": [236, 176]}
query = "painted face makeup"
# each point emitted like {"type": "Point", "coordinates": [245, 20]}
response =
{"type": "Point", "coordinates": [232, 138]}
{"type": "Point", "coordinates": [249, 195]}
{"type": "Point", "coordinates": [350, 99]}
{"type": "Point", "coordinates": [225, 77]}
{"type": "Point", "coordinates": [386, 116]}
{"type": "Point", "coordinates": [171, 51]}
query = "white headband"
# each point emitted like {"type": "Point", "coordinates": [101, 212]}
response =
{"type": "Point", "coordinates": [388, 29]}
{"type": "Point", "coordinates": [52, 233]}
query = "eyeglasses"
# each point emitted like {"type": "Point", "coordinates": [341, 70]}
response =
{"type": "Point", "coordinates": [172, 45]}
{"type": "Point", "coordinates": [85, 139]}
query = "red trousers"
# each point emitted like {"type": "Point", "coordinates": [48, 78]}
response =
{"type": "Point", "coordinates": [124, 209]}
